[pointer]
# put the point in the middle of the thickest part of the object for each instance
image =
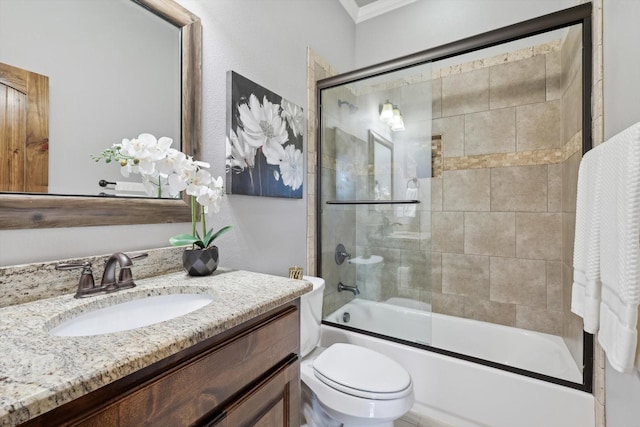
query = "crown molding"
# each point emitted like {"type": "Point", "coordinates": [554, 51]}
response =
{"type": "Point", "coordinates": [379, 7]}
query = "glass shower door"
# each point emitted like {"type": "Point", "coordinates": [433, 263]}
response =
{"type": "Point", "coordinates": [378, 159]}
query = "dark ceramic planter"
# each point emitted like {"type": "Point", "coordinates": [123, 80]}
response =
{"type": "Point", "coordinates": [200, 262]}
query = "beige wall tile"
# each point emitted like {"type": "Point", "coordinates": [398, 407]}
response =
{"type": "Point", "coordinates": [452, 131]}
{"type": "Point", "coordinates": [465, 275]}
{"type": "Point", "coordinates": [518, 281]}
{"type": "Point", "coordinates": [490, 233]}
{"type": "Point", "coordinates": [568, 236]}
{"type": "Point", "coordinates": [519, 188]}
{"type": "Point", "coordinates": [451, 305]}
{"type": "Point", "coordinates": [554, 285]}
{"type": "Point", "coordinates": [570, 56]}
{"type": "Point", "coordinates": [447, 232]}
{"type": "Point", "coordinates": [436, 194]}
{"type": "Point", "coordinates": [572, 109]}
{"type": "Point", "coordinates": [570, 182]}
{"type": "Point", "coordinates": [490, 311]}
{"type": "Point", "coordinates": [554, 188]}
{"type": "Point", "coordinates": [518, 83]}
{"type": "Point", "coordinates": [465, 93]}
{"type": "Point", "coordinates": [490, 132]}
{"type": "Point", "coordinates": [540, 320]}
{"type": "Point", "coordinates": [436, 272]}
{"type": "Point", "coordinates": [572, 334]}
{"type": "Point", "coordinates": [554, 75]}
{"type": "Point", "coordinates": [419, 271]}
{"type": "Point", "coordinates": [567, 282]}
{"type": "Point", "coordinates": [539, 236]}
{"type": "Point", "coordinates": [436, 98]}
{"type": "Point", "coordinates": [539, 126]}
{"type": "Point", "coordinates": [466, 190]}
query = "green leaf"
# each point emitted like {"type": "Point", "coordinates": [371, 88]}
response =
{"type": "Point", "coordinates": [185, 239]}
{"type": "Point", "coordinates": [220, 232]}
{"type": "Point", "coordinates": [211, 236]}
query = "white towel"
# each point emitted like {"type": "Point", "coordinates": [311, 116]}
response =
{"type": "Point", "coordinates": [606, 288]}
{"type": "Point", "coordinates": [619, 248]}
{"type": "Point", "coordinates": [410, 209]}
{"type": "Point", "coordinates": [585, 293]}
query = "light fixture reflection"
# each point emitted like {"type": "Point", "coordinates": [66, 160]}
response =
{"type": "Point", "coordinates": [387, 112]}
{"type": "Point", "coordinates": [396, 123]}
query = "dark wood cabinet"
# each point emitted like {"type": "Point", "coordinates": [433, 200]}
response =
{"type": "Point", "coordinates": [246, 376]}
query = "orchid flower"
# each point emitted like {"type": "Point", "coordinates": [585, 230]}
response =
{"type": "Point", "coordinates": [162, 166]}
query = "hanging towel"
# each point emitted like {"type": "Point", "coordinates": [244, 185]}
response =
{"type": "Point", "coordinates": [585, 292]}
{"type": "Point", "coordinates": [619, 247]}
{"type": "Point", "coordinates": [410, 209]}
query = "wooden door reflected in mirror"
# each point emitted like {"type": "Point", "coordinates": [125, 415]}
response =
{"type": "Point", "coordinates": [24, 127]}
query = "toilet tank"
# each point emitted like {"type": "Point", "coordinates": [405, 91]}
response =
{"type": "Point", "coordinates": [311, 315]}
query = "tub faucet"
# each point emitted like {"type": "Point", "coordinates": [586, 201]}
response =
{"type": "Point", "coordinates": [343, 287]}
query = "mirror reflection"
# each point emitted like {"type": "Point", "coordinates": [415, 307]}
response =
{"type": "Point", "coordinates": [113, 72]}
{"type": "Point", "coordinates": [381, 160]}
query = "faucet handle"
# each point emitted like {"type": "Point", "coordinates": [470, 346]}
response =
{"type": "Point", "coordinates": [139, 256]}
{"type": "Point", "coordinates": [125, 277]}
{"type": "Point", "coordinates": [86, 284]}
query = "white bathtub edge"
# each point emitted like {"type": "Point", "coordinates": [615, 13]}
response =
{"type": "Point", "coordinates": [466, 394]}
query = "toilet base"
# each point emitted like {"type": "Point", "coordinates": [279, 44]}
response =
{"type": "Point", "coordinates": [313, 415]}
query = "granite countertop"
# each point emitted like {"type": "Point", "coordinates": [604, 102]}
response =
{"type": "Point", "coordinates": [39, 372]}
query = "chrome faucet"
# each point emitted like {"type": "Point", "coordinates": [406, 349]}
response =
{"type": "Point", "coordinates": [343, 287]}
{"type": "Point", "coordinates": [87, 286]}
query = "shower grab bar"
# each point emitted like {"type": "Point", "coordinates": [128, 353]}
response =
{"type": "Point", "coordinates": [372, 202]}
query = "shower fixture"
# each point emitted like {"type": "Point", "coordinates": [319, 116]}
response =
{"type": "Point", "coordinates": [341, 254]}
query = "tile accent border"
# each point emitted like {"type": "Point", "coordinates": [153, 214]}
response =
{"type": "Point", "coordinates": [520, 158]}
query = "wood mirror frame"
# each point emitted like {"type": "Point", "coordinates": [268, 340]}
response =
{"type": "Point", "coordinates": [19, 211]}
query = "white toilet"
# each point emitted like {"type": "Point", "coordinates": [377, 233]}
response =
{"type": "Point", "coordinates": [344, 384]}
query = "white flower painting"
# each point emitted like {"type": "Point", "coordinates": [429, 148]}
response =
{"type": "Point", "coordinates": [264, 141]}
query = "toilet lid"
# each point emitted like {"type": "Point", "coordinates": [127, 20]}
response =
{"type": "Point", "coordinates": [362, 372]}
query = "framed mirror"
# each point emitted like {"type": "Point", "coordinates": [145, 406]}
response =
{"type": "Point", "coordinates": [381, 166]}
{"type": "Point", "coordinates": [18, 211]}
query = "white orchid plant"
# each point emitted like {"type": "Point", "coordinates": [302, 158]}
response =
{"type": "Point", "coordinates": [165, 168]}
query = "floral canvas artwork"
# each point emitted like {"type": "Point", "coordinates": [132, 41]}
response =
{"type": "Point", "coordinates": [264, 141]}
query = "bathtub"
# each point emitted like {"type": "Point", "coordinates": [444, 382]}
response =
{"type": "Point", "coordinates": [465, 394]}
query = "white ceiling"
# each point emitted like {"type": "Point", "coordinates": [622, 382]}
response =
{"type": "Point", "coordinates": [361, 10]}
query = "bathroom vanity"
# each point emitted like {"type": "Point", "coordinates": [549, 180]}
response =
{"type": "Point", "coordinates": [233, 362]}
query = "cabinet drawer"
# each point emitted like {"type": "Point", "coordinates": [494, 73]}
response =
{"type": "Point", "coordinates": [195, 388]}
{"type": "Point", "coordinates": [274, 401]}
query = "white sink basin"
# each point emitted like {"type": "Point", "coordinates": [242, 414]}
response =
{"type": "Point", "coordinates": [131, 314]}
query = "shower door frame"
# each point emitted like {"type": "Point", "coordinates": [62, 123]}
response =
{"type": "Point", "coordinates": [581, 14]}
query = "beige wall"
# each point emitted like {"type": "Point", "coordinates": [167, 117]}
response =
{"type": "Point", "coordinates": [499, 211]}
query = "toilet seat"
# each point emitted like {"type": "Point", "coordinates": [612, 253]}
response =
{"type": "Point", "coordinates": [361, 372]}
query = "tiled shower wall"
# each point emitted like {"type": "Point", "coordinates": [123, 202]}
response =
{"type": "Point", "coordinates": [502, 218]}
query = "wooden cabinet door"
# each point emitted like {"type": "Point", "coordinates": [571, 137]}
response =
{"type": "Point", "coordinates": [24, 130]}
{"type": "Point", "coordinates": [273, 402]}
